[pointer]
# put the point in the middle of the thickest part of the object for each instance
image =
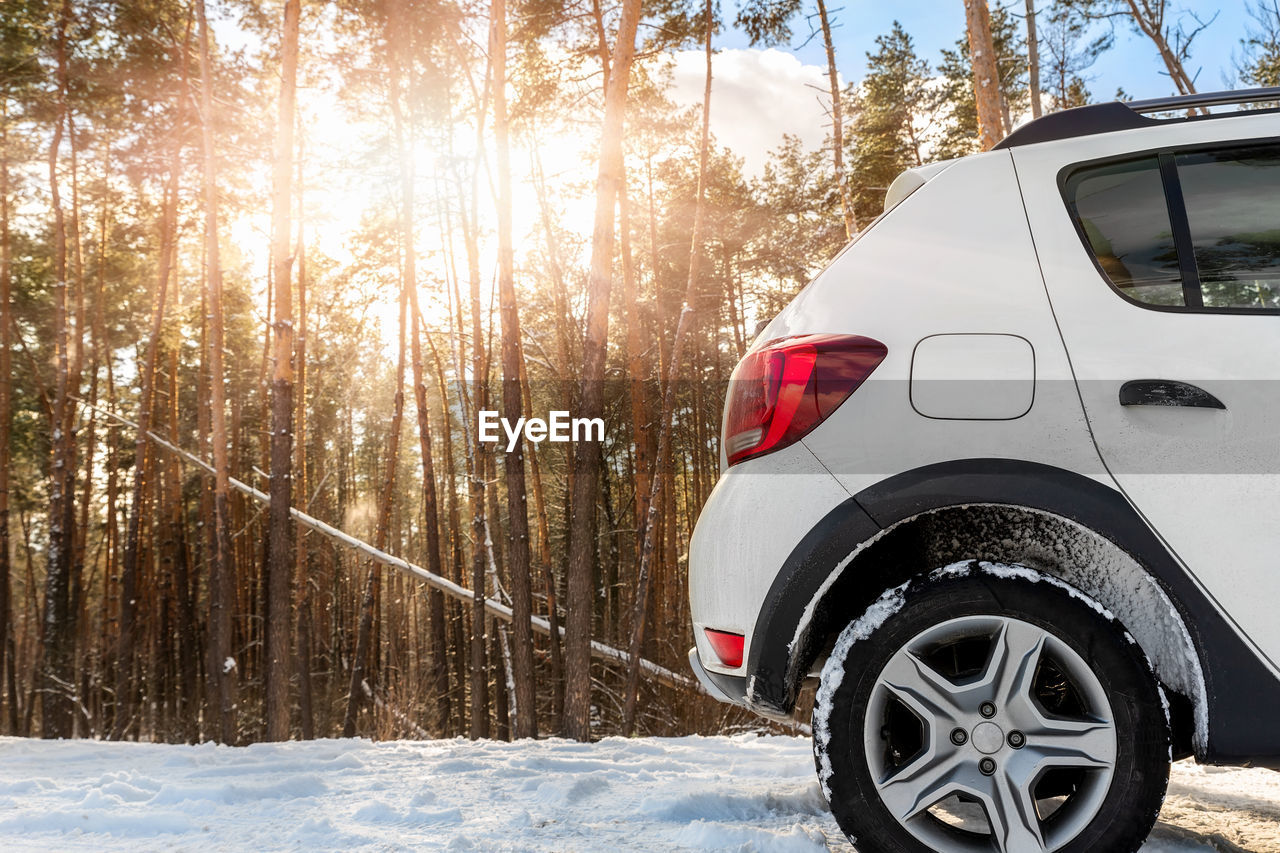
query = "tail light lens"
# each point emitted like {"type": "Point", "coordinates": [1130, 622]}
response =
{"type": "Point", "coordinates": [727, 646]}
{"type": "Point", "coordinates": [779, 393]}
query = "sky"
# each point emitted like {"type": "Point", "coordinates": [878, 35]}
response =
{"type": "Point", "coordinates": [760, 93]}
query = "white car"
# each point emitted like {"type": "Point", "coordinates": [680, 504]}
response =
{"type": "Point", "coordinates": [1003, 483]}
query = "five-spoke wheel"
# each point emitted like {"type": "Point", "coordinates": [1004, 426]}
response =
{"type": "Point", "coordinates": [992, 713]}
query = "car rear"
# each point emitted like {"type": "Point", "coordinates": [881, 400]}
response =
{"type": "Point", "coordinates": [928, 338]}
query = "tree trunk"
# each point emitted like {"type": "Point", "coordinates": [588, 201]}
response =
{"type": "Point", "coordinates": [544, 556]}
{"type": "Point", "coordinates": [837, 125]}
{"type": "Point", "coordinates": [582, 545]}
{"type": "Point", "coordinates": [7, 679]}
{"type": "Point", "coordinates": [525, 711]}
{"type": "Point", "coordinates": [637, 374]}
{"type": "Point", "coordinates": [431, 523]}
{"type": "Point", "coordinates": [1033, 59]}
{"type": "Point", "coordinates": [79, 539]}
{"type": "Point", "coordinates": [280, 567]}
{"type": "Point", "coordinates": [58, 677]}
{"type": "Point", "coordinates": [221, 677]}
{"type": "Point", "coordinates": [126, 657]}
{"type": "Point", "coordinates": [479, 722]}
{"type": "Point", "coordinates": [301, 559]}
{"type": "Point", "coordinates": [1149, 18]}
{"type": "Point", "coordinates": [430, 501]}
{"type": "Point", "coordinates": [986, 77]}
{"type": "Point", "coordinates": [373, 578]}
{"type": "Point", "coordinates": [455, 531]}
{"type": "Point", "coordinates": [187, 629]}
{"type": "Point", "coordinates": [639, 616]}
{"type": "Point", "coordinates": [92, 674]}
{"type": "Point", "coordinates": [560, 300]}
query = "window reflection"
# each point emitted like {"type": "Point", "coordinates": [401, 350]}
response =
{"type": "Point", "coordinates": [1121, 207]}
{"type": "Point", "coordinates": [1233, 208]}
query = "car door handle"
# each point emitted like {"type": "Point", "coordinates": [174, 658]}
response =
{"type": "Point", "coordinates": [1167, 392]}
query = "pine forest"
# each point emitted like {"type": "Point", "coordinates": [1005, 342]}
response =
{"type": "Point", "coordinates": [265, 265]}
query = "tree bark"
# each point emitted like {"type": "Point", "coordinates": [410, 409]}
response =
{"type": "Point", "coordinates": [455, 634]}
{"type": "Point", "coordinates": [582, 545]}
{"type": "Point", "coordinates": [1149, 18]}
{"type": "Point", "coordinates": [126, 657]}
{"type": "Point", "coordinates": [301, 480]}
{"type": "Point", "coordinates": [280, 566]}
{"type": "Point", "coordinates": [637, 374]}
{"type": "Point", "coordinates": [684, 326]}
{"type": "Point", "coordinates": [430, 501]}
{"type": "Point", "coordinates": [525, 710]}
{"type": "Point", "coordinates": [479, 722]}
{"type": "Point", "coordinates": [58, 676]}
{"type": "Point", "coordinates": [221, 674]}
{"type": "Point", "coordinates": [7, 679]}
{"type": "Point", "coordinates": [1033, 59]}
{"type": "Point", "coordinates": [986, 77]}
{"type": "Point", "coordinates": [373, 578]}
{"type": "Point", "coordinates": [837, 125]}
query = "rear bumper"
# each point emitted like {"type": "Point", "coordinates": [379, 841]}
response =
{"type": "Point", "coordinates": [730, 689]}
{"type": "Point", "coordinates": [748, 525]}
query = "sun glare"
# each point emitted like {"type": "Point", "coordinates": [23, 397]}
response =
{"type": "Point", "coordinates": [362, 180]}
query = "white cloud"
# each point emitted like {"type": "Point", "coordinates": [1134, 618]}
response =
{"type": "Point", "coordinates": [756, 97]}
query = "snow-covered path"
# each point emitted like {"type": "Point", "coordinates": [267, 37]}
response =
{"type": "Point", "coordinates": [743, 793]}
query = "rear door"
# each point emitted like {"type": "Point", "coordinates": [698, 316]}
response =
{"type": "Point", "coordinates": [1163, 269]}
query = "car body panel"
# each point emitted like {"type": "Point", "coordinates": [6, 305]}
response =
{"type": "Point", "coordinates": [770, 504]}
{"type": "Point", "coordinates": [890, 287]}
{"type": "Point", "coordinates": [1208, 480]}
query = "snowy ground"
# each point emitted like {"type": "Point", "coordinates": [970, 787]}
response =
{"type": "Point", "coordinates": [742, 794]}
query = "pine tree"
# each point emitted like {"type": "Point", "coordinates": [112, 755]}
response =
{"type": "Point", "coordinates": [526, 712]}
{"type": "Point", "coordinates": [279, 633]}
{"type": "Point", "coordinates": [769, 22]}
{"type": "Point", "coordinates": [1170, 34]}
{"type": "Point", "coordinates": [1261, 62]}
{"type": "Point", "coordinates": [221, 676]}
{"type": "Point", "coordinates": [586, 460]}
{"type": "Point", "coordinates": [887, 137]}
{"type": "Point", "coordinates": [1070, 51]}
{"type": "Point", "coordinates": [797, 222]}
{"type": "Point", "coordinates": [58, 687]}
{"type": "Point", "coordinates": [954, 99]}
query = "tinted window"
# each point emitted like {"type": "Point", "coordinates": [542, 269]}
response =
{"type": "Point", "coordinates": [1233, 210]}
{"type": "Point", "coordinates": [1121, 209]}
{"type": "Point", "coordinates": [1218, 212]}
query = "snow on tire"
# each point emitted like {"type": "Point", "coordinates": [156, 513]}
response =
{"type": "Point", "coordinates": [990, 707]}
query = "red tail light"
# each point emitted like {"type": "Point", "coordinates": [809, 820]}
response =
{"type": "Point", "coordinates": [779, 393]}
{"type": "Point", "coordinates": [728, 647]}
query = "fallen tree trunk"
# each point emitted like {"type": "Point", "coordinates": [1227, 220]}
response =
{"type": "Point", "coordinates": [495, 608]}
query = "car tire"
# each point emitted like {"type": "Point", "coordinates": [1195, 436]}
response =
{"type": "Point", "coordinates": [987, 707]}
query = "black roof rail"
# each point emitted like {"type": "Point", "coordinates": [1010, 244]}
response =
{"type": "Point", "coordinates": [1205, 99]}
{"type": "Point", "coordinates": [1127, 115]}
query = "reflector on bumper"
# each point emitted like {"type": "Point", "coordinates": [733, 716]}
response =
{"type": "Point", "coordinates": [727, 646]}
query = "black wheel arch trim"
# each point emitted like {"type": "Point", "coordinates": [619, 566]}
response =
{"type": "Point", "coordinates": [1242, 693]}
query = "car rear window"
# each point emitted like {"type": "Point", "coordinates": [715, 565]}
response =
{"type": "Point", "coordinates": [1121, 209]}
{"type": "Point", "coordinates": [1193, 230]}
